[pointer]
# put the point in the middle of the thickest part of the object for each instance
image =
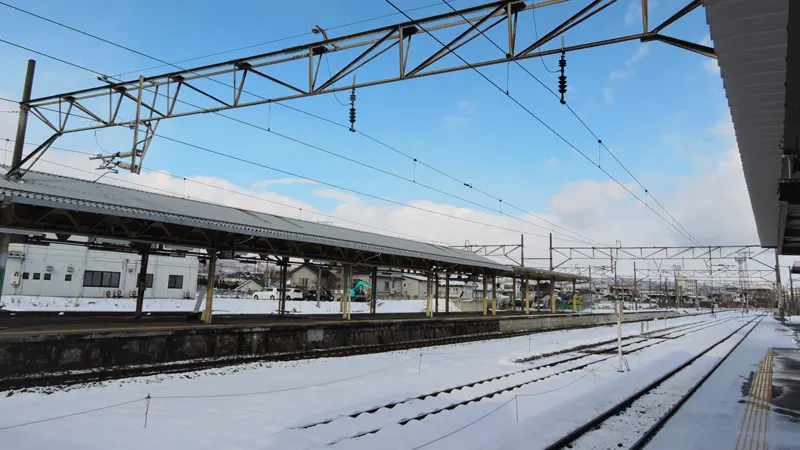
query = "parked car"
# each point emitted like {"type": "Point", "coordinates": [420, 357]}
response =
{"type": "Point", "coordinates": [324, 295]}
{"type": "Point", "coordinates": [273, 293]}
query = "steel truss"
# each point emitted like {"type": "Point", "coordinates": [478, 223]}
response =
{"type": "Point", "coordinates": [147, 101]}
{"type": "Point", "coordinates": [659, 254]}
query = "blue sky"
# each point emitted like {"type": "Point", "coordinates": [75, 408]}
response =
{"type": "Point", "coordinates": [657, 107]}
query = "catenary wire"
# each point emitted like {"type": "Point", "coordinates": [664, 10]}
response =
{"type": "Point", "coordinates": [567, 238]}
{"type": "Point", "coordinates": [244, 194]}
{"type": "Point", "coordinates": [561, 137]}
{"type": "Point", "coordinates": [469, 185]}
{"type": "Point", "coordinates": [599, 141]}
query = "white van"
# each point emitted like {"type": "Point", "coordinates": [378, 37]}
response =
{"type": "Point", "coordinates": [273, 293]}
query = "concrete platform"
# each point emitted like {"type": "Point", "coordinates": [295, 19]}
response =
{"type": "Point", "coordinates": [69, 346]}
{"type": "Point", "coordinates": [751, 402]}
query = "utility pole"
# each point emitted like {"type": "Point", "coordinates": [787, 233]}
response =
{"type": "Point", "coordinates": [635, 292]}
{"type": "Point", "coordinates": [22, 124]}
{"type": "Point", "coordinates": [779, 288]}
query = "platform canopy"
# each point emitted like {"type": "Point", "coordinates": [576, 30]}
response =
{"type": "Point", "coordinates": [757, 43]}
{"type": "Point", "coordinates": [47, 203]}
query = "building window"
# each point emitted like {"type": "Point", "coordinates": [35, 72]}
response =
{"type": "Point", "coordinates": [25, 275]}
{"type": "Point", "coordinates": [96, 278]}
{"type": "Point", "coordinates": [175, 282]}
{"type": "Point", "coordinates": [148, 280]}
{"type": "Point", "coordinates": [37, 275]}
{"type": "Point", "coordinates": [386, 285]}
{"type": "Point", "coordinates": [68, 277]}
{"type": "Point", "coordinates": [304, 282]}
{"type": "Point", "coordinates": [47, 276]}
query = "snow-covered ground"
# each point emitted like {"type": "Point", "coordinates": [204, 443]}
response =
{"type": "Point", "coordinates": [222, 305]}
{"type": "Point", "coordinates": [265, 405]}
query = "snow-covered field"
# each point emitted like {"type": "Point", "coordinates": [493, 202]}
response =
{"type": "Point", "coordinates": [222, 305]}
{"type": "Point", "coordinates": [265, 405]}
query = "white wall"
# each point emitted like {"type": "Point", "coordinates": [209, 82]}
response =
{"type": "Point", "coordinates": [64, 260]}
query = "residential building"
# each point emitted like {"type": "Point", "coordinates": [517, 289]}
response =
{"type": "Point", "coordinates": [307, 276]}
{"type": "Point", "coordinates": [62, 270]}
{"type": "Point", "coordinates": [415, 286]}
{"type": "Point", "coordinates": [686, 285]}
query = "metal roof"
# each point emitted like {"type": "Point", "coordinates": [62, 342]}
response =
{"type": "Point", "coordinates": [751, 41]}
{"type": "Point", "coordinates": [73, 194]}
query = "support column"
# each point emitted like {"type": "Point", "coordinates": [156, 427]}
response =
{"type": "Point", "coordinates": [779, 288]}
{"type": "Point", "coordinates": [791, 291]}
{"type": "Point", "coordinates": [283, 285]}
{"type": "Point", "coordinates": [514, 293]}
{"type": "Point", "coordinates": [428, 295]}
{"type": "Point", "coordinates": [447, 292]}
{"type": "Point", "coordinates": [141, 282]}
{"type": "Point", "coordinates": [346, 274]}
{"type": "Point", "coordinates": [539, 294]}
{"type": "Point", "coordinates": [494, 296]}
{"type": "Point", "coordinates": [527, 297]}
{"type": "Point", "coordinates": [5, 239]}
{"type": "Point", "coordinates": [373, 307]}
{"type": "Point", "coordinates": [574, 298]}
{"type": "Point", "coordinates": [212, 267]}
{"type": "Point", "coordinates": [552, 295]}
{"type": "Point", "coordinates": [436, 294]}
{"type": "Point", "coordinates": [22, 123]}
{"type": "Point", "coordinates": [319, 283]}
{"type": "Point", "coordinates": [485, 298]}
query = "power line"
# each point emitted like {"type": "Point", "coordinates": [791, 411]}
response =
{"type": "Point", "coordinates": [599, 141]}
{"type": "Point", "coordinates": [255, 197]}
{"type": "Point", "coordinates": [469, 185]}
{"type": "Point", "coordinates": [268, 130]}
{"type": "Point", "coordinates": [540, 120]}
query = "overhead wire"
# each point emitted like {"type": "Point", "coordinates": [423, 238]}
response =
{"type": "Point", "coordinates": [571, 234]}
{"type": "Point", "coordinates": [244, 194]}
{"type": "Point", "coordinates": [597, 138]}
{"type": "Point", "coordinates": [551, 129]}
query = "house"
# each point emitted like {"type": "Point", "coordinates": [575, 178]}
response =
{"type": "Point", "coordinates": [311, 276]}
{"type": "Point", "coordinates": [249, 287]}
{"type": "Point", "coordinates": [459, 289]}
{"type": "Point", "coordinates": [415, 286]}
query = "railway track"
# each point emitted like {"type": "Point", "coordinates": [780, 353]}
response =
{"type": "Point", "coordinates": [62, 379]}
{"type": "Point", "coordinates": [333, 430]}
{"type": "Point", "coordinates": [634, 421]}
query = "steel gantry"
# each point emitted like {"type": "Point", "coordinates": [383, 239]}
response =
{"type": "Point", "coordinates": [141, 104]}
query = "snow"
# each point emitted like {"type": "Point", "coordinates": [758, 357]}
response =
{"type": "Point", "coordinates": [712, 416]}
{"type": "Point", "coordinates": [258, 405]}
{"type": "Point", "coordinates": [222, 305]}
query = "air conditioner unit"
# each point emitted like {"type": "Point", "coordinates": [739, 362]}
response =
{"type": "Point", "coordinates": [187, 294]}
{"type": "Point", "coordinates": [133, 293]}
{"type": "Point", "coordinates": [49, 268]}
{"type": "Point", "coordinates": [15, 279]}
{"type": "Point", "coordinates": [70, 269]}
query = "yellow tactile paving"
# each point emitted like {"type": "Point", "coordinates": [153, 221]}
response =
{"type": "Point", "coordinates": [754, 427]}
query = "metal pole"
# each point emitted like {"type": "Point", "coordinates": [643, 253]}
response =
{"type": "Point", "coordinates": [319, 283]}
{"type": "Point", "coordinates": [553, 295]}
{"type": "Point", "coordinates": [212, 267]}
{"type": "Point", "coordinates": [522, 250]}
{"type": "Point", "coordinates": [494, 295]}
{"type": "Point", "coordinates": [574, 298]}
{"type": "Point", "coordinates": [374, 301]}
{"type": "Point", "coordinates": [635, 292]}
{"type": "Point", "coordinates": [527, 297]}
{"type": "Point", "coordinates": [447, 292]}
{"type": "Point", "coordinates": [141, 282]}
{"type": "Point", "coordinates": [428, 296]}
{"type": "Point", "coordinates": [436, 294]}
{"type": "Point", "coordinates": [514, 293]}
{"type": "Point", "coordinates": [551, 251]}
{"type": "Point", "coordinates": [485, 298]}
{"type": "Point", "coordinates": [779, 288]}
{"type": "Point", "coordinates": [791, 288]}
{"type": "Point", "coordinates": [22, 124]}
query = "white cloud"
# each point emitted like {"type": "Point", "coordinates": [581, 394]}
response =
{"type": "Point", "coordinates": [461, 117]}
{"type": "Point", "coordinates": [552, 163]}
{"type": "Point", "coordinates": [608, 96]}
{"type": "Point", "coordinates": [712, 67]}
{"type": "Point", "coordinates": [641, 52]}
{"type": "Point", "coordinates": [723, 127]}
{"type": "Point", "coordinates": [618, 74]}
{"type": "Point", "coordinates": [706, 40]}
{"type": "Point", "coordinates": [634, 12]}
{"type": "Point", "coordinates": [334, 194]}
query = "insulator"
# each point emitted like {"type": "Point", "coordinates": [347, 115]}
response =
{"type": "Point", "coordinates": [352, 98]}
{"type": "Point", "coordinates": [562, 84]}
{"type": "Point", "coordinates": [352, 119]}
{"type": "Point", "coordinates": [562, 62]}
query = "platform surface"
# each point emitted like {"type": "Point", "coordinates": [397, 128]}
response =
{"type": "Point", "coordinates": [751, 402]}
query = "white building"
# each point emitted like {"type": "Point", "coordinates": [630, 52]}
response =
{"type": "Point", "coordinates": [686, 285]}
{"type": "Point", "coordinates": [60, 270]}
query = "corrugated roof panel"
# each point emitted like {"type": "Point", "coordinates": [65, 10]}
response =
{"type": "Point", "coordinates": [75, 194]}
{"type": "Point", "coordinates": [750, 41]}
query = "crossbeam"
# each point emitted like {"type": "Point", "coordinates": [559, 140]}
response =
{"type": "Point", "coordinates": [222, 86]}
